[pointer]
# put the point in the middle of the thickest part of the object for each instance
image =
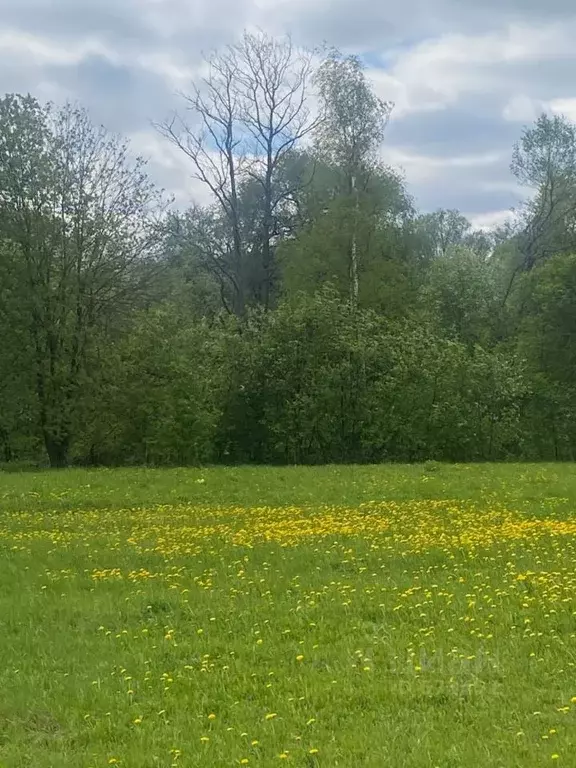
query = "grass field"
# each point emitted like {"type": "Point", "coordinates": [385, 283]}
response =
{"type": "Point", "coordinates": [408, 617]}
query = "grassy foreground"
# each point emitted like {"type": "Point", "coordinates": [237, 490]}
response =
{"type": "Point", "coordinates": [395, 616]}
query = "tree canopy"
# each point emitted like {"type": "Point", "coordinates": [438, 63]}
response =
{"type": "Point", "coordinates": [309, 313]}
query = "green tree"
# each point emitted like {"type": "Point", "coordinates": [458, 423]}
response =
{"type": "Point", "coordinates": [318, 381]}
{"type": "Point", "coordinates": [84, 220]}
{"type": "Point", "coordinates": [547, 340]}
{"type": "Point", "coordinates": [349, 136]}
{"type": "Point", "coordinates": [319, 253]}
{"type": "Point", "coordinates": [544, 161]}
{"type": "Point", "coordinates": [161, 392]}
{"type": "Point", "coordinates": [441, 230]}
{"type": "Point", "coordinates": [18, 411]}
{"type": "Point", "coordinates": [461, 294]}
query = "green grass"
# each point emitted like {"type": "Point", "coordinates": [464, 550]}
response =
{"type": "Point", "coordinates": [413, 616]}
{"type": "Point", "coordinates": [94, 488]}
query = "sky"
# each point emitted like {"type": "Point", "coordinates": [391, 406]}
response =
{"type": "Point", "coordinates": [466, 77]}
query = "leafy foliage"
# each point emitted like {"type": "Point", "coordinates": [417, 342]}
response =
{"type": "Point", "coordinates": [309, 314]}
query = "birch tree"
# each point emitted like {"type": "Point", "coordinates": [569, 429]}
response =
{"type": "Point", "coordinates": [351, 133]}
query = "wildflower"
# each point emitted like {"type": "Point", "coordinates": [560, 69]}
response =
{"type": "Point", "coordinates": [271, 715]}
{"type": "Point", "coordinates": [211, 716]}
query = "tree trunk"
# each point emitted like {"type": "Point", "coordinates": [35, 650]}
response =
{"type": "Point", "coordinates": [354, 250]}
{"type": "Point", "coordinates": [57, 449]}
{"type": "Point", "coordinates": [267, 257]}
{"type": "Point", "coordinates": [6, 447]}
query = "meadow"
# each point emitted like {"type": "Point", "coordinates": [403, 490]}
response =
{"type": "Point", "coordinates": [418, 616]}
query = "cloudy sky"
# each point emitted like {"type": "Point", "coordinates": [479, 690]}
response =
{"type": "Point", "coordinates": [465, 75]}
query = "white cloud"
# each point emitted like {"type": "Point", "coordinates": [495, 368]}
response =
{"type": "Point", "coordinates": [525, 109]}
{"type": "Point", "coordinates": [490, 220]}
{"type": "Point", "coordinates": [504, 185]}
{"type": "Point", "coordinates": [176, 73]}
{"type": "Point", "coordinates": [43, 51]}
{"type": "Point", "coordinates": [477, 69]}
{"type": "Point", "coordinates": [422, 168]}
{"type": "Point", "coordinates": [171, 168]}
{"type": "Point", "coordinates": [436, 73]}
{"type": "Point", "coordinates": [522, 109]}
{"type": "Point", "coordinates": [172, 66]}
{"type": "Point", "coordinates": [566, 107]}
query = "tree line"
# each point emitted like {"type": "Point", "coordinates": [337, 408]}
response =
{"type": "Point", "coordinates": [308, 314]}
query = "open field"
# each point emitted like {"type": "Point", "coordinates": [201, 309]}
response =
{"type": "Point", "coordinates": [414, 616]}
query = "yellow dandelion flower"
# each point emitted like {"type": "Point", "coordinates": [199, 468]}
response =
{"type": "Point", "coordinates": [271, 715]}
{"type": "Point", "coordinates": [211, 716]}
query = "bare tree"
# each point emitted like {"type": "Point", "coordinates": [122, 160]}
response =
{"type": "Point", "coordinates": [243, 119]}
{"type": "Point", "coordinates": [214, 145]}
{"type": "Point", "coordinates": [273, 79]}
